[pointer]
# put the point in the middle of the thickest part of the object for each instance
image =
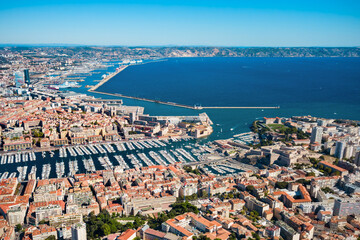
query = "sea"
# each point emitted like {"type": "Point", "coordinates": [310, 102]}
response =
{"type": "Point", "coordinates": [321, 87]}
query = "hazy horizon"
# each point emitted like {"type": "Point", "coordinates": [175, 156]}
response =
{"type": "Point", "coordinates": [154, 46]}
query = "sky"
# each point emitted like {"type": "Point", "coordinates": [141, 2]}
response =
{"type": "Point", "coordinates": [240, 23]}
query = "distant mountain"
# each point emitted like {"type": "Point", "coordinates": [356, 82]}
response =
{"type": "Point", "coordinates": [186, 51]}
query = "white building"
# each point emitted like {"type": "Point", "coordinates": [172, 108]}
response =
{"type": "Point", "coordinates": [78, 231]}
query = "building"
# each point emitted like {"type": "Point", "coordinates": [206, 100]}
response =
{"type": "Point", "coordinates": [357, 158]}
{"type": "Point", "coordinates": [345, 207]}
{"type": "Point", "coordinates": [339, 149]}
{"type": "Point", "coordinates": [287, 232]}
{"type": "Point", "coordinates": [78, 231]}
{"type": "Point", "coordinates": [272, 231]}
{"type": "Point", "coordinates": [27, 76]}
{"type": "Point", "coordinates": [316, 135]}
{"type": "Point", "coordinates": [129, 234]}
{"type": "Point", "coordinates": [334, 168]}
{"type": "Point", "coordinates": [44, 213]}
{"type": "Point", "coordinates": [16, 145]}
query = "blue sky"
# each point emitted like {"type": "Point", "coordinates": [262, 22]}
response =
{"type": "Point", "coordinates": [186, 22]}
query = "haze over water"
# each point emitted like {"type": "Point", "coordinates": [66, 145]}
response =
{"type": "Point", "coordinates": [323, 87]}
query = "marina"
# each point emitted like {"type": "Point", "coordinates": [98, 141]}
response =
{"type": "Point", "coordinates": [121, 155]}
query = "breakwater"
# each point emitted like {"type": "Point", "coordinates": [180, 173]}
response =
{"type": "Point", "coordinates": [107, 78]}
{"type": "Point", "coordinates": [177, 104]}
{"type": "Point", "coordinates": [239, 107]}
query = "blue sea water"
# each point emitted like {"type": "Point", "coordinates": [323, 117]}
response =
{"type": "Point", "coordinates": [323, 87]}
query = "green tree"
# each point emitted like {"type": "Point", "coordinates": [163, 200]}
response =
{"type": "Point", "coordinates": [250, 188]}
{"type": "Point", "coordinates": [105, 229]}
{"type": "Point", "coordinates": [256, 236]}
{"type": "Point", "coordinates": [52, 237]}
{"type": "Point", "coordinates": [232, 236]}
{"type": "Point", "coordinates": [310, 174]}
{"type": "Point", "coordinates": [281, 185]}
{"type": "Point", "coordinates": [18, 228]}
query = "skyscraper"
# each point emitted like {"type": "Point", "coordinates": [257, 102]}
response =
{"type": "Point", "coordinates": [339, 150]}
{"type": "Point", "coordinates": [316, 134]}
{"type": "Point", "coordinates": [357, 158]}
{"type": "Point", "coordinates": [26, 76]}
{"type": "Point", "coordinates": [78, 231]}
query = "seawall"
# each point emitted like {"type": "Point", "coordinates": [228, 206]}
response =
{"type": "Point", "coordinates": [107, 78]}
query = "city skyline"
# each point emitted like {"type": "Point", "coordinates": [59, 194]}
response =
{"type": "Point", "coordinates": [181, 23]}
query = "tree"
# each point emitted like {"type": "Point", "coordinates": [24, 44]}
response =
{"type": "Point", "coordinates": [18, 228]}
{"type": "Point", "coordinates": [52, 237]}
{"type": "Point", "coordinates": [232, 236]}
{"type": "Point", "coordinates": [105, 229]}
{"type": "Point", "coordinates": [310, 174]}
{"type": "Point", "coordinates": [281, 185]}
{"type": "Point", "coordinates": [256, 236]}
{"type": "Point", "coordinates": [250, 188]}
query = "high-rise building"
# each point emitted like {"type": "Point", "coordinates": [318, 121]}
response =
{"type": "Point", "coordinates": [357, 158]}
{"type": "Point", "coordinates": [78, 231]}
{"type": "Point", "coordinates": [316, 134]}
{"type": "Point", "coordinates": [349, 152]}
{"type": "Point", "coordinates": [339, 150]}
{"type": "Point", "coordinates": [347, 206]}
{"type": "Point", "coordinates": [26, 76]}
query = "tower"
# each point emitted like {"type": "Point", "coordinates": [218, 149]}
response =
{"type": "Point", "coordinates": [26, 76]}
{"type": "Point", "coordinates": [339, 150]}
{"type": "Point", "coordinates": [357, 158]}
{"type": "Point", "coordinates": [316, 134]}
{"type": "Point", "coordinates": [78, 231]}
